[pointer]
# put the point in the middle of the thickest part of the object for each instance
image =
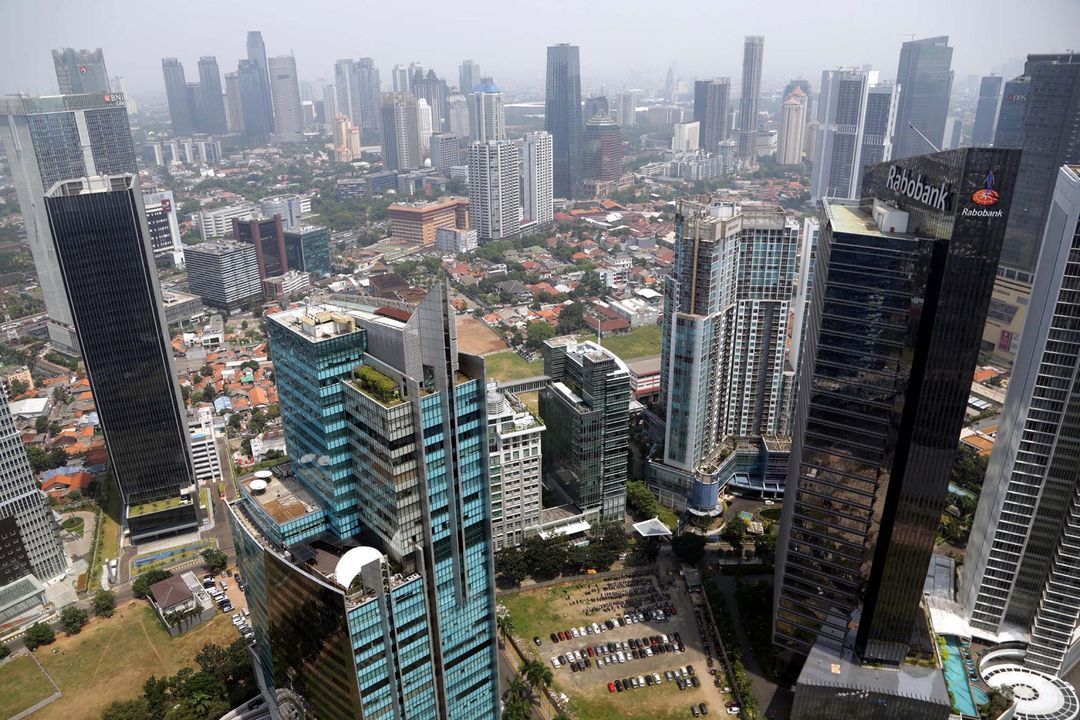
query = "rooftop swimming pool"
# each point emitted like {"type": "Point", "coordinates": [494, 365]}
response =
{"type": "Point", "coordinates": [965, 696]}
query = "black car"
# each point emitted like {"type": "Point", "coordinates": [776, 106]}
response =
{"type": "Point", "coordinates": [690, 669]}
{"type": "Point", "coordinates": [694, 681]}
{"type": "Point", "coordinates": [678, 637]}
{"type": "Point", "coordinates": [562, 659]}
{"type": "Point", "coordinates": [704, 710]}
{"type": "Point", "coordinates": [618, 685]}
{"type": "Point", "coordinates": [554, 638]}
{"type": "Point", "coordinates": [679, 682]}
{"type": "Point", "coordinates": [536, 640]}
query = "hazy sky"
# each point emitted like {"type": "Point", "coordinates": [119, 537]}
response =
{"type": "Point", "coordinates": [623, 43]}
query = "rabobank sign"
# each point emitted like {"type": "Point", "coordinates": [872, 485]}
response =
{"type": "Point", "coordinates": [937, 196]}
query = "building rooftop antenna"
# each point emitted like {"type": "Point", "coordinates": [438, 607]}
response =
{"type": "Point", "coordinates": [912, 126]}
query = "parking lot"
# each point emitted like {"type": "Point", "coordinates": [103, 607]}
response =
{"type": "Point", "coordinates": [539, 613]}
{"type": "Point", "coordinates": [236, 599]}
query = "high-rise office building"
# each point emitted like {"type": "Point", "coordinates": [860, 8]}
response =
{"type": "Point", "coordinates": [562, 118]}
{"type": "Point", "coordinates": [285, 87]}
{"type": "Point", "coordinates": [181, 110]}
{"type": "Point", "coordinates": [925, 78]}
{"type": "Point", "coordinates": [400, 130]}
{"type": "Point", "coordinates": [212, 100]}
{"type": "Point", "coordinates": [595, 105]}
{"type": "Point", "coordinates": [99, 232]}
{"type": "Point", "coordinates": [670, 86]}
{"type": "Point", "coordinates": [1049, 140]}
{"type": "Point", "coordinates": [1021, 574]}
{"type": "Point", "coordinates": [686, 137]}
{"type": "Point", "coordinates": [1010, 122]}
{"type": "Point", "coordinates": [585, 406]}
{"type": "Point", "coordinates": [495, 189]}
{"type": "Point", "coordinates": [267, 235]}
{"type": "Point", "coordinates": [225, 275]}
{"type": "Point", "coordinates": [753, 55]}
{"type": "Point", "coordinates": [903, 280]}
{"type": "Point", "coordinates": [433, 89]}
{"type": "Point", "coordinates": [841, 116]}
{"type": "Point", "coordinates": [516, 471]}
{"type": "Point", "coordinates": [402, 79]}
{"type": "Point", "coordinates": [38, 547]}
{"type": "Point", "coordinates": [458, 119]}
{"type": "Point", "coordinates": [487, 119]}
{"type": "Point", "coordinates": [792, 127]}
{"type": "Point", "coordinates": [50, 139]}
{"type": "Point", "coordinates": [370, 94]}
{"type": "Point", "coordinates": [536, 185]}
{"type": "Point", "coordinates": [879, 125]}
{"type": "Point", "coordinates": [259, 112]}
{"type": "Point", "coordinates": [81, 71]}
{"type": "Point", "coordinates": [445, 151]}
{"type": "Point", "coordinates": [234, 111]}
{"type": "Point", "coordinates": [119, 84]}
{"type": "Point", "coordinates": [628, 100]}
{"type": "Point", "coordinates": [307, 249]}
{"type": "Point", "coordinates": [380, 529]}
{"type": "Point", "coordinates": [468, 76]}
{"type": "Point", "coordinates": [249, 85]}
{"type": "Point", "coordinates": [423, 125]}
{"type": "Point", "coordinates": [163, 227]}
{"type": "Point", "coordinates": [986, 111]}
{"type": "Point", "coordinates": [712, 108]}
{"type": "Point", "coordinates": [602, 149]}
{"type": "Point", "coordinates": [723, 368]}
{"type": "Point", "coordinates": [347, 89]}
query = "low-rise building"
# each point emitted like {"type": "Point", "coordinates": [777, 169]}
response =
{"type": "Point", "coordinates": [180, 307]}
{"type": "Point", "coordinates": [283, 286]}
{"type": "Point", "coordinates": [204, 455]}
{"type": "Point", "coordinates": [455, 240]}
{"type": "Point", "coordinates": [218, 223]}
{"type": "Point", "coordinates": [224, 274]}
{"type": "Point", "coordinates": [418, 222]}
{"type": "Point", "coordinates": [514, 445]}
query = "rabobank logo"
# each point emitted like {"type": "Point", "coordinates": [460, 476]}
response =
{"type": "Point", "coordinates": [938, 196]}
{"type": "Point", "coordinates": [985, 197]}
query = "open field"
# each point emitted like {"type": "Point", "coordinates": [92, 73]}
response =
{"type": "Point", "coordinates": [112, 658]}
{"type": "Point", "coordinates": [510, 366]}
{"type": "Point", "coordinates": [541, 612]}
{"type": "Point", "coordinates": [531, 400]}
{"type": "Point", "coordinates": [639, 342]}
{"type": "Point", "coordinates": [477, 338]}
{"type": "Point", "coordinates": [21, 685]}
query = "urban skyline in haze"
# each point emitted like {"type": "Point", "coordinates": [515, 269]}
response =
{"type": "Point", "coordinates": [801, 40]}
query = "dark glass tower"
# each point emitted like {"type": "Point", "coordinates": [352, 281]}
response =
{"type": "Point", "coordinates": [925, 79]}
{"type": "Point", "coordinates": [712, 108]}
{"type": "Point", "coordinates": [1049, 140]}
{"type": "Point", "coordinates": [986, 111]}
{"type": "Point", "coordinates": [902, 284]}
{"type": "Point", "coordinates": [753, 55]}
{"type": "Point", "coordinates": [257, 124]}
{"type": "Point", "coordinates": [181, 110]}
{"type": "Point", "coordinates": [80, 71]}
{"type": "Point", "coordinates": [1010, 122]}
{"type": "Point", "coordinates": [99, 230]}
{"type": "Point", "coordinates": [260, 106]}
{"type": "Point", "coordinates": [562, 118]}
{"type": "Point", "coordinates": [212, 101]}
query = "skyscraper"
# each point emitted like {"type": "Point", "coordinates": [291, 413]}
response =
{"type": "Point", "coordinates": [986, 111]}
{"type": "Point", "coordinates": [562, 118]}
{"type": "Point", "coordinates": [81, 71]}
{"type": "Point", "coordinates": [1010, 122]}
{"type": "Point", "coordinates": [257, 128]}
{"type": "Point", "coordinates": [402, 78]}
{"type": "Point", "coordinates": [458, 120]}
{"type": "Point", "coordinates": [119, 84]}
{"type": "Point", "coordinates": [536, 185]}
{"type": "Point", "coordinates": [516, 470]}
{"type": "Point", "coordinates": [925, 79]}
{"type": "Point", "coordinates": [669, 86]}
{"type": "Point", "coordinates": [163, 227]}
{"type": "Point", "coordinates": [25, 506]}
{"type": "Point", "coordinates": [1021, 572]}
{"type": "Point", "coordinates": [603, 150]}
{"type": "Point", "coordinates": [468, 76]}
{"type": "Point", "coordinates": [628, 100]}
{"type": "Point", "coordinates": [585, 406]}
{"type": "Point", "coordinates": [50, 139]}
{"type": "Point", "coordinates": [285, 87]}
{"type": "Point", "coordinates": [841, 117]}
{"type": "Point", "coordinates": [347, 87]}
{"type": "Point", "coordinates": [1049, 140]}
{"type": "Point", "coordinates": [423, 125]}
{"type": "Point", "coordinates": [792, 126]}
{"type": "Point", "coordinates": [181, 109]}
{"type": "Point", "coordinates": [879, 124]}
{"type": "Point", "coordinates": [387, 538]}
{"type": "Point", "coordinates": [234, 112]}
{"type": "Point", "coordinates": [100, 235]}
{"type": "Point", "coordinates": [431, 88]}
{"type": "Point", "coordinates": [400, 130]}
{"type": "Point", "coordinates": [259, 112]}
{"type": "Point", "coordinates": [723, 369]}
{"type": "Point", "coordinates": [487, 120]}
{"type": "Point", "coordinates": [212, 104]}
{"type": "Point", "coordinates": [370, 94]}
{"type": "Point", "coordinates": [712, 108]}
{"type": "Point", "coordinates": [494, 189]}
{"type": "Point", "coordinates": [753, 54]}
{"type": "Point", "coordinates": [596, 105]}
{"type": "Point", "coordinates": [903, 280]}
{"type": "Point", "coordinates": [445, 152]}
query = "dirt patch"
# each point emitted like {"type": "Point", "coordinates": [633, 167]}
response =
{"type": "Point", "coordinates": [476, 338]}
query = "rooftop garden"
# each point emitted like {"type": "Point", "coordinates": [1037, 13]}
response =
{"type": "Point", "coordinates": [379, 386]}
{"type": "Point", "coordinates": [155, 506]}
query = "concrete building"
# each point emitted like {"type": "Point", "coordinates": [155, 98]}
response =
{"type": "Point", "coordinates": [454, 240]}
{"type": "Point", "coordinates": [753, 54]}
{"type": "Point", "coordinates": [387, 537]}
{"type": "Point", "coordinates": [445, 151]}
{"type": "Point", "coordinates": [468, 76]}
{"type": "Point", "coordinates": [841, 118]}
{"type": "Point", "coordinates": [585, 406]}
{"type": "Point", "coordinates": [925, 78]}
{"type": "Point", "coordinates": [218, 223]}
{"type": "Point", "coordinates": [181, 308]}
{"type": "Point", "coordinates": [487, 119]}
{"type": "Point", "coordinates": [163, 226]}
{"type": "Point", "coordinates": [285, 285]}
{"type": "Point", "coordinates": [181, 107]}
{"type": "Point", "coordinates": [495, 189]}
{"type": "Point", "coordinates": [423, 125]}
{"type": "Point", "coordinates": [537, 183]}
{"type": "Point", "coordinates": [210, 101]}
{"type": "Point", "coordinates": [792, 126]}
{"type": "Point", "coordinates": [307, 248]}
{"type": "Point", "coordinates": [267, 236]}
{"type": "Point", "coordinates": [417, 222]}
{"type": "Point", "coordinates": [627, 108]}
{"type": "Point", "coordinates": [204, 452]}
{"type": "Point", "coordinates": [879, 125]}
{"type": "Point", "coordinates": [224, 275]}
{"type": "Point", "coordinates": [50, 139]}
{"type": "Point", "coordinates": [516, 471]}
{"type": "Point", "coordinates": [100, 233]}
{"type": "Point", "coordinates": [401, 133]}
{"type": "Point", "coordinates": [712, 108]}
{"type": "Point", "coordinates": [562, 118]}
{"type": "Point", "coordinates": [291, 208]}
{"type": "Point", "coordinates": [603, 150]}
{"type": "Point", "coordinates": [458, 111]}
{"type": "Point", "coordinates": [370, 85]}
{"type": "Point", "coordinates": [685, 138]}
{"type": "Point", "coordinates": [285, 91]}
{"type": "Point", "coordinates": [81, 71]}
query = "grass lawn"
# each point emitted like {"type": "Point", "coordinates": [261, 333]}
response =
{"type": "Point", "coordinates": [770, 513]}
{"type": "Point", "coordinates": [531, 400]}
{"type": "Point", "coordinates": [538, 612]}
{"type": "Point", "coordinates": [640, 342]}
{"type": "Point", "coordinates": [74, 525]}
{"type": "Point", "coordinates": [661, 702]}
{"type": "Point", "coordinates": [112, 657]}
{"type": "Point", "coordinates": [178, 556]}
{"type": "Point", "coordinates": [21, 685]}
{"type": "Point", "coordinates": [510, 366]}
{"type": "Point", "coordinates": [107, 534]}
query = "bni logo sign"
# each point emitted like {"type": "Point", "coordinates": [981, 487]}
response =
{"type": "Point", "coordinates": [987, 195]}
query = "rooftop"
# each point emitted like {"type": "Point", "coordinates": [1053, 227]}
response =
{"type": "Point", "coordinates": [283, 499]}
{"type": "Point", "coordinates": [849, 216]}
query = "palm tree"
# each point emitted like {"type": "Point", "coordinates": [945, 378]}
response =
{"type": "Point", "coordinates": [505, 625]}
{"type": "Point", "coordinates": [517, 708]}
{"type": "Point", "coordinates": [538, 675]}
{"type": "Point", "coordinates": [516, 688]}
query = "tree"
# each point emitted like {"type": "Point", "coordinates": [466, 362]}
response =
{"type": "Point", "coordinates": [141, 586]}
{"type": "Point", "coordinates": [734, 532]}
{"type": "Point", "coordinates": [4, 651]}
{"type": "Point", "coordinates": [640, 500]}
{"type": "Point", "coordinates": [545, 559]}
{"type": "Point", "coordinates": [214, 560]}
{"type": "Point", "coordinates": [104, 602]}
{"type": "Point", "coordinates": [537, 674]}
{"type": "Point", "coordinates": [607, 544]}
{"type": "Point", "coordinates": [38, 634]}
{"type": "Point", "coordinates": [72, 619]}
{"type": "Point", "coordinates": [765, 547]}
{"type": "Point", "coordinates": [689, 547]}
{"type": "Point", "coordinates": [510, 564]}
{"type": "Point", "coordinates": [571, 319]}
{"type": "Point", "coordinates": [538, 332]}
{"type": "Point", "coordinates": [41, 424]}
{"type": "Point", "coordinates": [17, 387]}
{"type": "Point", "coordinates": [137, 709]}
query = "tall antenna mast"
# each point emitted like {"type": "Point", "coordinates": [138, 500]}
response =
{"type": "Point", "coordinates": [912, 126]}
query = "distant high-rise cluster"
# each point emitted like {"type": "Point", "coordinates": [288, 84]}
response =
{"type": "Point", "coordinates": [562, 118]}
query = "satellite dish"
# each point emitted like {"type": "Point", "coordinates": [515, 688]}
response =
{"type": "Point", "coordinates": [264, 474]}
{"type": "Point", "coordinates": [258, 486]}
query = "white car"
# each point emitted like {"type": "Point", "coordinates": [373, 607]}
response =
{"type": "Point", "coordinates": [574, 632]}
{"type": "Point", "coordinates": [622, 656]}
{"type": "Point", "coordinates": [657, 678]}
{"type": "Point", "coordinates": [733, 710]}
{"type": "Point", "coordinates": [555, 661]}
{"type": "Point", "coordinates": [581, 631]}
{"type": "Point", "coordinates": [648, 651]}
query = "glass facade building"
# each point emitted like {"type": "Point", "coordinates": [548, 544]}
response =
{"type": "Point", "coordinates": [103, 248]}
{"type": "Point", "coordinates": [307, 248]}
{"type": "Point", "coordinates": [562, 118]}
{"type": "Point", "coordinates": [380, 530]}
{"type": "Point", "coordinates": [902, 284]}
{"type": "Point", "coordinates": [925, 78]}
{"type": "Point", "coordinates": [712, 108]}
